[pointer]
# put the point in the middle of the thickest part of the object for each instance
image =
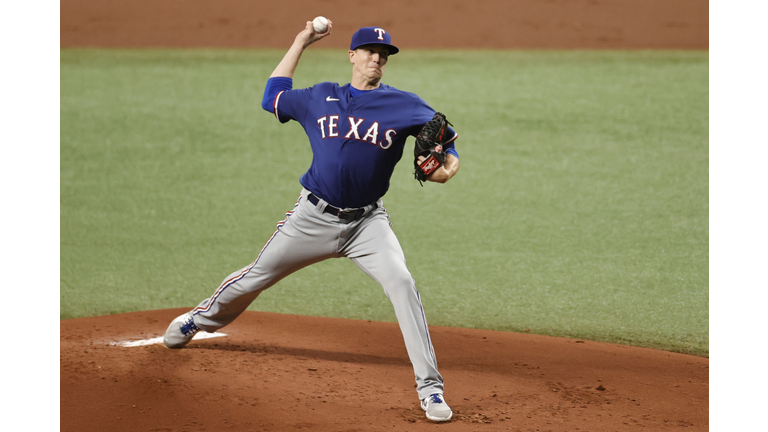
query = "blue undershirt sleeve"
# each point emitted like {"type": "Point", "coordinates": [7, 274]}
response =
{"type": "Point", "coordinates": [274, 86]}
{"type": "Point", "coordinates": [451, 149]}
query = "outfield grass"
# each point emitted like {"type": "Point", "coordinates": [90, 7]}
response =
{"type": "Point", "coordinates": [581, 207]}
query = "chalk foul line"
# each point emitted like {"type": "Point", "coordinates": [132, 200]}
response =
{"type": "Point", "coordinates": [159, 340]}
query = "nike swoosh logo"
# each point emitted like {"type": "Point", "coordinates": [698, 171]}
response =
{"type": "Point", "coordinates": [330, 99]}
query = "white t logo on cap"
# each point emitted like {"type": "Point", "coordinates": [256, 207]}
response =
{"type": "Point", "coordinates": [380, 32]}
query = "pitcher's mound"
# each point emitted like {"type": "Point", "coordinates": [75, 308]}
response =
{"type": "Point", "coordinates": [275, 372]}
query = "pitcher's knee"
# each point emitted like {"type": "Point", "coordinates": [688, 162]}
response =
{"type": "Point", "coordinates": [402, 284]}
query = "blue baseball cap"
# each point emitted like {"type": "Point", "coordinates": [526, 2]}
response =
{"type": "Point", "coordinates": [372, 35]}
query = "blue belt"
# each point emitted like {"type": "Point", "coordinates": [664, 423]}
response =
{"type": "Point", "coordinates": [339, 213]}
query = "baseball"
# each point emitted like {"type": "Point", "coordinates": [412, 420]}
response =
{"type": "Point", "coordinates": [320, 24]}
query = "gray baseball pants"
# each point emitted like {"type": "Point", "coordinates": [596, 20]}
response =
{"type": "Point", "coordinates": [307, 236]}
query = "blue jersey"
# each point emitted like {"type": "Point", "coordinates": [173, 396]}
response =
{"type": "Point", "coordinates": [357, 137]}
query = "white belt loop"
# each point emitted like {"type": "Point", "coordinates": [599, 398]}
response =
{"type": "Point", "coordinates": [321, 204]}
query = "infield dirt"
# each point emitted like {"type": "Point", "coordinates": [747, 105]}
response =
{"type": "Point", "coordinates": [276, 372]}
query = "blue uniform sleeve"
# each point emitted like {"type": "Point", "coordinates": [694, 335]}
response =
{"type": "Point", "coordinates": [450, 148]}
{"type": "Point", "coordinates": [292, 104]}
{"type": "Point", "coordinates": [275, 85]}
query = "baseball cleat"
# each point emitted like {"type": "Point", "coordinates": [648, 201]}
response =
{"type": "Point", "coordinates": [180, 332]}
{"type": "Point", "coordinates": [436, 408]}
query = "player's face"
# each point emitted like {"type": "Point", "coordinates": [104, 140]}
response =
{"type": "Point", "coordinates": [369, 62]}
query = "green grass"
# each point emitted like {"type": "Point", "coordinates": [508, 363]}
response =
{"type": "Point", "coordinates": [581, 207]}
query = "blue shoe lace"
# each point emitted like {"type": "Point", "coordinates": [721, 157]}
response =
{"type": "Point", "coordinates": [435, 398]}
{"type": "Point", "coordinates": [189, 327]}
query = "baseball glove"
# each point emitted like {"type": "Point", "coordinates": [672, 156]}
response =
{"type": "Point", "coordinates": [429, 143]}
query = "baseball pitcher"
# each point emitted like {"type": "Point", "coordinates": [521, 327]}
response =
{"type": "Point", "coordinates": [357, 134]}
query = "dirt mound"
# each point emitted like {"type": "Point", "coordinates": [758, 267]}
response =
{"type": "Point", "coordinates": [275, 372]}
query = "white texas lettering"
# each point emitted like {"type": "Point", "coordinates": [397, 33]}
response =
{"type": "Point", "coordinates": [353, 125]}
{"type": "Point", "coordinates": [373, 133]}
{"type": "Point", "coordinates": [333, 123]}
{"type": "Point", "coordinates": [381, 32]}
{"type": "Point", "coordinates": [321, 123]}
{"type": "Point", "coordinates": [388, 136]}
{"type": "Point", "coordinates": [329, 127]}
